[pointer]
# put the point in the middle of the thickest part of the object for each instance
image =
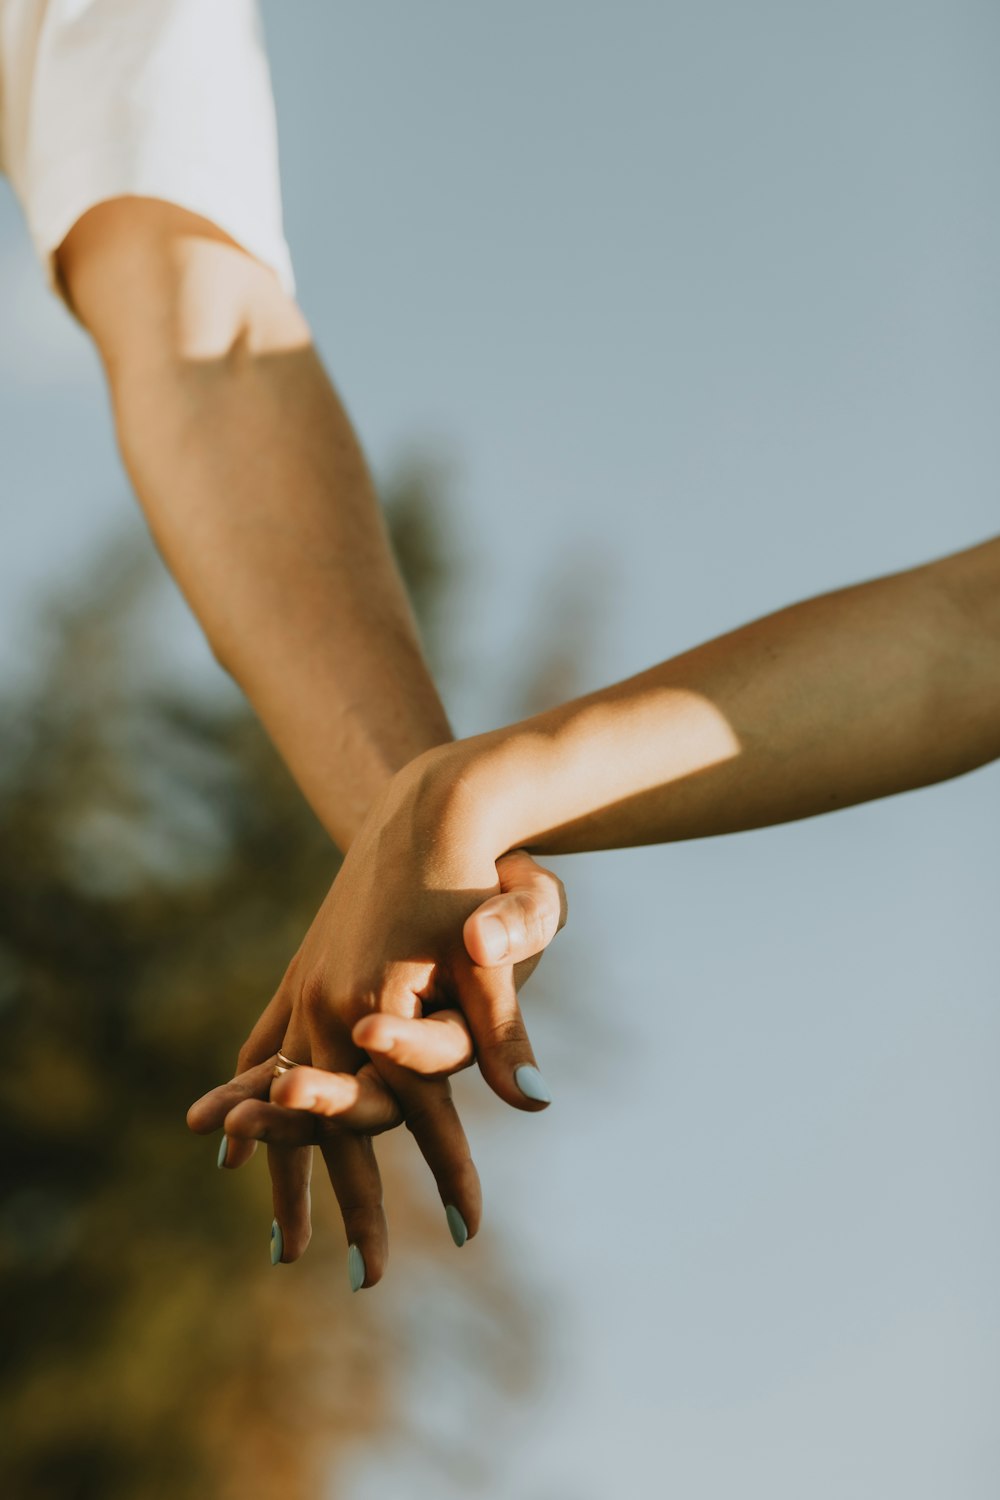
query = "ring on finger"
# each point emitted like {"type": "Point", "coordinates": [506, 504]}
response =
{"type": "Point", "coordinates": [283, 1064]}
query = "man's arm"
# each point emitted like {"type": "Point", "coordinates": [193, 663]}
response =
{"type": "Point", "coordinates": [261, 503]}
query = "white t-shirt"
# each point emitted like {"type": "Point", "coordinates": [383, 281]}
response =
{"type": "Point", "coordinates": [164, 99]}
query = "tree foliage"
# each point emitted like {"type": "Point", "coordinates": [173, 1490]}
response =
{"type": "Point", "coordinates": [157, 870]}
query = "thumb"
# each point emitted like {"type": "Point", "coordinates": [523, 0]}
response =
{"type": "Point", "coordinates": [522, 920]}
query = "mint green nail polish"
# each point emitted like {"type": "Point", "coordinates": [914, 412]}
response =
{"type": "Point", "coordinates": [532, 1084]}
{"type": "Point", "coordinates": [223, 1148]}
{"type": "Point", "coordinates": [457, 1225]}
{"type": "Point", "coordinates": [355, 1268]}
{"type": "Point", "coordinates": [277, 1242]}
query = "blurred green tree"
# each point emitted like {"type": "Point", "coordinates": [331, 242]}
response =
{"type": "Point", "coordinates": [157, 870]}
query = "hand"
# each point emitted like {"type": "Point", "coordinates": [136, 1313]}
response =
{"type": "Point", "coordinates": [530, 908]}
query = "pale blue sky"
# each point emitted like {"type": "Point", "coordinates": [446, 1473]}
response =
{"type": "Point", "coordinates": [703, 297]}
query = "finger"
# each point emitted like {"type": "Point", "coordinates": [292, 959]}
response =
{"type": "Point", "coordinates": [278, 1126]}
{"type": "Point", "coordinates": [256, 1120]}
{"type": "Point", "coordinates": [271, 1028]}
{"type": "Point", "coordinates": [354, 1175]}
{"type": "Point", "coordinates": [290, 1168]}
{"type": "Point", "coordinates": [209, 1112]}
{"type": "Point", "coordinates": [438, 1044]}
{"type": "Point", "coordinates": [234, 1154]}
{"type": "Point", "coordinates": [432, 1119]}
{"type": "Point", "coordinates": [521, 921]}
{"type": "Point", "coordinates": [354, 1101]}
{"type": "Point", "coordinates": [506, 1060]}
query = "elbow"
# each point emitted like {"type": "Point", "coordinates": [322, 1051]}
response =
{"type": "Point", "coordinates": [161, 289]}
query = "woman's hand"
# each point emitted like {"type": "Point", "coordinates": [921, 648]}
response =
{"type": "Point", "coordinates": [384, 953]}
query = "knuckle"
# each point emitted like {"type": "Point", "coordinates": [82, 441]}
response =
{"type": "Point", "coordinates": [294, 965]}
{"type": "Point", "coordinates": [312, 994]}
{"type": "Point", "coordinates": [501, 1033]}
{"type": "Point", "coordinates": [360, 1215]}
{"type": "Point", "coordinates": [416, 1119]}
{"type": "Point", "coordinates": [433, 1104]}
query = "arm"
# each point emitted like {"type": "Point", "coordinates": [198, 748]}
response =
{"type": "Point", "coordinates": [258, 497]}
{"type": "Point", "coordinates": [858, 694]}
{"type": "Point", "coordinates": [873, 690]}
{"type": "Point", "coordinates": [261, 503]}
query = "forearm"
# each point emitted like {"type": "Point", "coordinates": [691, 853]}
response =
{"type": "Point", "coordinates": [873, 690]}
{"type": "Point", "coordinates": [258, 496]}
{"type": "Point", "coordinates": [261, 503]}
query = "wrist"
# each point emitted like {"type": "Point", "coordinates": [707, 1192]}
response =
{"type": "Point", "coordinates": [481, 792]}
{"type": "Point", "coordinates": [429, 809]}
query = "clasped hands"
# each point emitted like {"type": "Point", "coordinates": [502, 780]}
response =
{"type": "Point", "coordinates": [409, 971]}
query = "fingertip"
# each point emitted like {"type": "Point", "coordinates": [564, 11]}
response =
{"type": "Point", "coordinates": [198, 1117]}
{"type": "Point", "coordinates": [514, 926]}
{"type": "Point", "coordinates": [293, 1091]}
{"type": "Point", "coordinates": [457, 1227]}
{"type": "Point", "coordinates": [375, 1033]}
{"type": "Point", "coordinates": [517, 1081]}
{"type": "Point", "coordinates": [486, 939]}
{"type": "Point", "coordinates": [239, 1127]}
{"type": "Point", "coordinates": [357, 1271]}
{"type": "Point", "coordinates": [289, 1242]}
{"type": "Point", "coordinates": [531, 1084]}
{"type": "Point", "coordinates": [462, 1197]}
{"type": "Point", "coordinates": [238, 1153]}
{"type": "Point", "coordinates": [366, 1263]}
{"type": "Point", "coordinates": [296, 1240]}
{"type": "Point", "coordinates": [233, 1123]}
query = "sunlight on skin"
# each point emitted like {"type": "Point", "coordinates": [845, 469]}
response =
{"type": "Point", "coordinates": [838, 700]}
{"type": "Point", "coordinates": [254, 314]}
{"type": "Point", "coordinates": [670, 733]}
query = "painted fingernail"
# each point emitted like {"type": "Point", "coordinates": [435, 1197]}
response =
{"type": "Point", "coordinates": [532, 1084]}
{"type": "Point", "coordinates": [277, 1242]}
{"type": "Point", "coordinates": [494, 936]}
{"type": "Point", "coordinates": [220, 1160]}
{"type": "Point", "coordinates": [355, 1268]}
{"type": "Point", "coordinates": [457, 1225]}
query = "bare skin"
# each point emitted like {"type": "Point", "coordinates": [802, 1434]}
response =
{"type": "Point", "coordinates": [260, 501]}
{"type": "Point", "coordinates": [859, 694]}
{"type": "Point", "coordinates": [863, 693]}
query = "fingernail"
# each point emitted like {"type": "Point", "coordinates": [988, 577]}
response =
{"type": "Point", "coordinates": [355, 1268]}
{"type": "Point", "coordinates": [532, 1084]}
{"type": "Point", "coordinates": [220, 1160]}
{"type": "Point", "coordinates": [457, 1225]}
{"type": "Point", "coordinates": [277, 1242]}
{"type": "Point", "coordinates": [494, 936]}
